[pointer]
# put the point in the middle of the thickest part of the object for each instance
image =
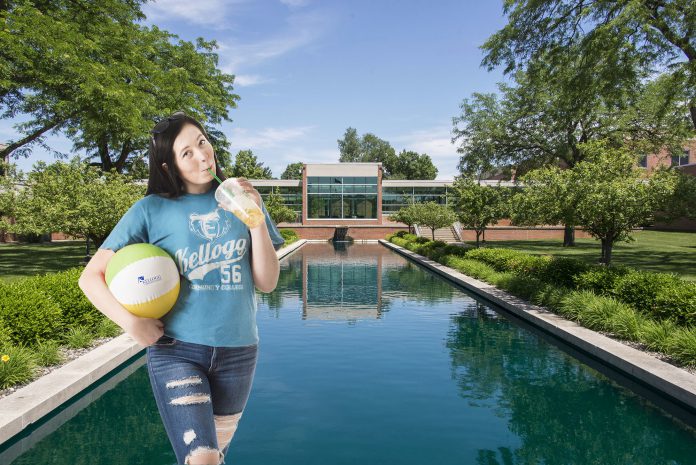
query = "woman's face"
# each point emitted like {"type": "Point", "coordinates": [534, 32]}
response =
{"type": "Point", "coordinates": [193, 155]}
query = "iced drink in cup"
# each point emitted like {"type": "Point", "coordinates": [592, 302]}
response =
{"type": "Point", "coordinates": [232, 196]}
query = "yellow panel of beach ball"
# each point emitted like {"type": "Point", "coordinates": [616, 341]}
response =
{"type": "Point", "coordinates": [144, 279]}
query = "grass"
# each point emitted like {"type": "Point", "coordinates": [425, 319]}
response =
{"type": "Point", "coordinates": [23, 260]}
{"type": "Point", "coordinates": [660, 251]}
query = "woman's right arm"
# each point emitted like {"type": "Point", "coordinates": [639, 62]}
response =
{"type": "Point", "coordinates": [145, 331]}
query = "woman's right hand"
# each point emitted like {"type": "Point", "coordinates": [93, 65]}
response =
{"type": "Point", "coordinates": [145, 331]}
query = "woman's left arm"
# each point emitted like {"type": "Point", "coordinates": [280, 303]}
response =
{"type": "Point", "coordinates": [265, 267]}
{"type": "Point", "coordinates": [264, 260]}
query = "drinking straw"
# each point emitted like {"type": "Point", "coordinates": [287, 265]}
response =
{"type": "Point", "coordinates": [211, 172]}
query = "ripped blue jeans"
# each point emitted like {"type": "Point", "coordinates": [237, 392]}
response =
{"type": "Point", "coordinates": [201, 392]}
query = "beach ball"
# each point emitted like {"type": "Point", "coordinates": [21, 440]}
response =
{"type": "Point", "coordinates": [144, 279]}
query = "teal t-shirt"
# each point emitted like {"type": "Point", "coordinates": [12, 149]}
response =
{"type": "Point", "coordinates": [211, 249]}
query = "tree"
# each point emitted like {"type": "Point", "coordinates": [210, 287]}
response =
{"type": "Point", "coordinates": [73, 198]}
{"type": "Point", "coordinates": [549, 196]}
{"type": "Point", "coordinates": [612, 37]}
{"type": "Point", "coordinates": [102, 78]}
{"type": "Point", "coordinates": [247, 166]}
{"type": "Point", "coordinates": [368, 148]}
{"type": "Point", "coordinates": [406, 215]}
{"type": "Point", "coordinates": [477, 206]}
{"type": "Point", "coordinates": [349, 147]}
{"type": "Point", "coordinates": [278, 211]}
{"type": "Point", "coordinates": [433, 215]}
{"type": "Point", "coordinates": [546, 114]}
{"type": "Point", "coordinates": [615, 197]}
{"type": "Point", "coordinates": [293, 171]}
{"type": "Point", "coordinates": [412, 165]}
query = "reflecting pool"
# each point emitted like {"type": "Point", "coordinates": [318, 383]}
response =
{"type": "Point", "coordinates": [366, 358]}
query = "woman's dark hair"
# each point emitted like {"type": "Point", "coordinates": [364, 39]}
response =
{"type": "Point", "coordinates": [168, 182]}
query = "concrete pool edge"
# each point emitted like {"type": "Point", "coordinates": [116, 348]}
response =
{"type": "Point", "coordinates": [671, 381]}
{"type": "Point", "coordinates": [42, 396]}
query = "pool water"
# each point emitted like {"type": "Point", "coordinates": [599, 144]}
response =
{"type": "Point", "coordinates": [367, 358]}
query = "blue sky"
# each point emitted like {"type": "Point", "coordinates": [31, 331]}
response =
{"type": "Point", "coordinates": [308, 69]}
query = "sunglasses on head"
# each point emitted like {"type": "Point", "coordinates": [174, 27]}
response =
{"type": "Point", "coordinates": [164, 124]}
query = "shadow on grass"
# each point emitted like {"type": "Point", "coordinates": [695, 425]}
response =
{"type": "Point", "coordinates": [23, 260]}
{"type": "Point", "coordinates": [644, 253]}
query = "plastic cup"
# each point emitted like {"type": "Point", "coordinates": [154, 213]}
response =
{"type": "Point", "coordinates": [232, 196]}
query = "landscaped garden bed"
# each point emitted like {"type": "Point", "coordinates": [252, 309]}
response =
{"type": "Point", "coordinates": [652, 311]}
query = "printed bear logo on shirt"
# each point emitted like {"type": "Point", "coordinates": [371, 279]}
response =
{"type": "Point", "coordinates": [209, 226]}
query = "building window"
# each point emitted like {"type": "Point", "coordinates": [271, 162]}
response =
{"type": "Point", "coordinates": [342, 197]}
{"type": "Point", "coordinates": [680, 159]}
{"type": "Point", "coordinates": [643, 161]}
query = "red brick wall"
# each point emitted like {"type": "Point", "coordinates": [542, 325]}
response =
{"type": "Point", "coordinates": [520, 234]}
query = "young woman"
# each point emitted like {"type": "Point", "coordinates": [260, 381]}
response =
{"type": "Point", "coordinates": [201, 356]}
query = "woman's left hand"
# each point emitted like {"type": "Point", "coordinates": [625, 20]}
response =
{"type": "Point", "coordinates": [249, 189]}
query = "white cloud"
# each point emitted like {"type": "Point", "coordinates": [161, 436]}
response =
{"type": "Point", "coordinates": [203, 12]}
{"type": "Point", "coordinates": [437, 143]}
{"type": "Point", "coordinates": [303, 29]}
{"type": "Point", "coordinates": [247, 80]}
{"type": "Point", "coordinates": [266, 138]}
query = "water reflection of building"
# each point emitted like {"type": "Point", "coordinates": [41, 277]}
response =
{"type": "Point", "coordinates": [342, 287]}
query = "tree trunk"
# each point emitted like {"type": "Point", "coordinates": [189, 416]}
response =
{"type": "Point", "coordinates": [606, 251]}
{"type": "Point", "coordinates": [125, 151]}
{"type": "Point", "coordinates": [433, 230]}
{"type": "Point", "coordinates": [478, 234]}
{"type": "Point", "coordinates": [692, 110]}
{"type": "Point", "coordinates": [569, 236]}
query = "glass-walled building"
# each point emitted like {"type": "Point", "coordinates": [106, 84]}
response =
{"type": "Point", "coordinates": [353, 195]}
{"type": "Point", "coordinates": [342, 197]}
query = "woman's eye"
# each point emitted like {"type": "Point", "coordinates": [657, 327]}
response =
{"type": "Point", "coordinates": [187, 153]}
{"type": "Point", "coordinates": [203, 141]}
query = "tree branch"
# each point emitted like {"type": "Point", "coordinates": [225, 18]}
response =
{"type": "Point", "coordinates": [30, 138]}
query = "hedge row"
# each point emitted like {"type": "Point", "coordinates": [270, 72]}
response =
{"type": "Point", "coordinates": [663, 296]}
{"type": "Point", "coordinates": [43, 308]}
{"type": "Point", "coordinates": [289, 235]}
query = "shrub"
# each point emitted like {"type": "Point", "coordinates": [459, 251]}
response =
{"type": "Point", "coordinates": [456, 250]}
{"type": "Point", "coordinates": [655, 334]}
{"type": "Point", "coordinates": [19, 367]}
{"type": "Point", "coordinates": [28, 314]}
{"type": "Point", "coordinates": [47, 354]}
{"type": "Point", "coordinates": [562, 270]}
{"type": "Point", "coordinates": [79, 337]}
{"type": "Point", "coordinates": [682, 345]}
{"type": "Point", "coordinates": [409, 237]}
{"type": "Point", "coordinates": [62, 287]}
{"type": "Point", "coordinates": [432, 249]}
{"type": "Point", "coordinates": [600, 279]}
{"type": "Point", "coordinates": [398, 241]}
{"type": "Point", "coordinates": [677, 300]}
{"type": "Point", "coordinates": [573, 303]}
{"type": "Point", "coordinates": [289, 235]}
{"type": "Point", "coordinates": [422, 240]}
{"type": "Point", "coordinates": [522, 286]}
{"type": "Point", "coordinates": [641, 288]}
{"type": "Point", "coordinates": [598, 311]}
{"type": "Point", "coordinates": [499, 259]}
{"type": "Point", "coordinates": [107, 328]}
{"type": "Point", "coordinates": [625, 322]}
{"type": "Point", "coordinates": [401, 233]}
{"type": "Point", "coordinates": [473, 268]}
{"type": "Point", "coordinates": [550, 296]}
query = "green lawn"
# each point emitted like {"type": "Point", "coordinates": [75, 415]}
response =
{"type": "Point", "coordinates": [669, 252]}
{"type": "Point", "coordinates": [21, 260]}
{"type": "Point", "coordinates": [673, 252]}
